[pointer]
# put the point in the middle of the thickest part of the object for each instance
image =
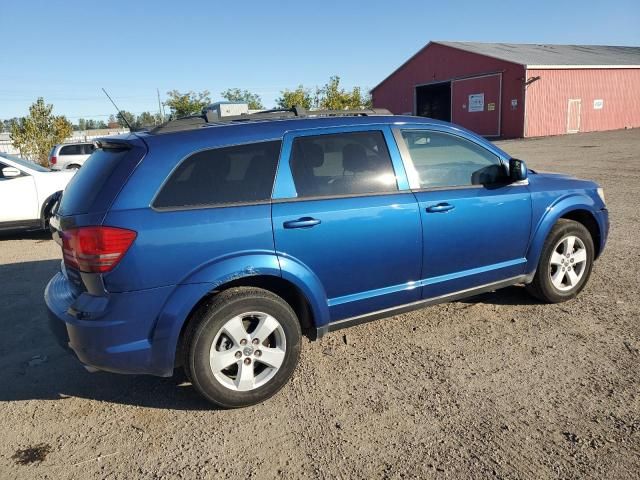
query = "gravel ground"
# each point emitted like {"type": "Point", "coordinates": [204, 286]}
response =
{"type": "Point", "coordinates": [497, 386]}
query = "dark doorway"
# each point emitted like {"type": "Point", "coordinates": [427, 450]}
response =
{"type": "Point", "coordinates": [434, 101]}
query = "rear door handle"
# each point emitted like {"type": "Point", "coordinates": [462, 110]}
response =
{"type": "Point", "coordinates": [304, 222]}
{"type": "Point", "coordinates": [439, 208]}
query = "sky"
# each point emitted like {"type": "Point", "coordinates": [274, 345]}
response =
{"type": "Point", "coordinates": [66, 51]}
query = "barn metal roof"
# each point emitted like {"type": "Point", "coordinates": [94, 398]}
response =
{"type": "Point", "coordinates": [555, 56]}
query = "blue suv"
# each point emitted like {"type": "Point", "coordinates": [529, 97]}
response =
{"type": "Point", "coordinates": [213, 243]}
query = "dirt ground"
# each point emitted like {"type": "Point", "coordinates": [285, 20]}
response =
{"type": "Point", "coordinates": [497, 386]}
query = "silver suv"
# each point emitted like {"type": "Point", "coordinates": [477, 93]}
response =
{"type": "Point", "coordinates": [70, 156]}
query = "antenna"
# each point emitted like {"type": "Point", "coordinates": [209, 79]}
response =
{"type": "Point", "coordinates": [124, 119]}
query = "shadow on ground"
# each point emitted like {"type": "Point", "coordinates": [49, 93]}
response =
{"type": "Point", "coordinates": [34, 366]}
{"type": "Point", "coordinates": [28, 235]}
{"type": "Point", "coordinates": [516, 295]}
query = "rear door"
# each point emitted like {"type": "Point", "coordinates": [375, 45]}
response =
{"type": "Point", "coordinates": [342, 210]}
{"type": "Point", "coordinates": [476, 226]}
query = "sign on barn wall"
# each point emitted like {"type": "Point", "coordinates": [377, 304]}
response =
{"type": "Point", "coordinates": [476, 102]}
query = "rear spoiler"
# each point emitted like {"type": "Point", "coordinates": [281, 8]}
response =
{"type": "Point", "coordinates": [112, 144]}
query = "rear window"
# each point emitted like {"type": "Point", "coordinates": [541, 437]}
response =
{"type": "Point", "coordinates": [84, 187]}
{"type": "Point", "coordinates": [239, 174]}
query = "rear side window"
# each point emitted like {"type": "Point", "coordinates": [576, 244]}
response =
{"type": "Point", "coordinates": [239, 174]}
{"type": "Point", "coordinates": [72, 150]}
{"type": "Point", "coordinates": [347, 163]}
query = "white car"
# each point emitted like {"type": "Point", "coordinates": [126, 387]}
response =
{"type": "Point", "coordinates": [70, 156]}
{"type": "Point", "coordinates": [26, 189]}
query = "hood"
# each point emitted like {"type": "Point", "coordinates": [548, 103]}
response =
{"type": "Point", "coordinates": [561, 180]}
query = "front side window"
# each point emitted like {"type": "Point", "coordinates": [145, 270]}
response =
{"type": "Point", "coordinates": [238, 174]}
{"type": "Point", "coordinates": [443, 160]}
{"type": "Point", "coordinates": [347, 163]}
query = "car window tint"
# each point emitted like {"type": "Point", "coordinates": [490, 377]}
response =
{"type": "Point", "coordinates": [443, 160]}
{"type": "Point", "coordinates": [220, 176]}
{"type": "Point", "coordinates": [342, 164]}
{"type": "Point", "coordinates": [72, 150]}
{"type": "Point", "coordinates": [88, 148]}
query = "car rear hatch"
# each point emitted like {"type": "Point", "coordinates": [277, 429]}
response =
{"type": "Point", "coordinates": [91, 249]}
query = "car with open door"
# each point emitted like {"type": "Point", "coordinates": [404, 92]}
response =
{"type": "Point", "coordinates": [26, 193]}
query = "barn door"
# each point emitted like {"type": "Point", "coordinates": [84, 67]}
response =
{"type": "Point", "coordinates": [475, 103]}
{"type": "Point", "coordinates": [573, 115]}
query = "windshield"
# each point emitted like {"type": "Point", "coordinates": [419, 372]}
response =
{"type": "Point", "coordinates": [24, 163]}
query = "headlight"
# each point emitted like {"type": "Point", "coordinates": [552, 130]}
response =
{"type": "Point", "coordinates": [601, 194]}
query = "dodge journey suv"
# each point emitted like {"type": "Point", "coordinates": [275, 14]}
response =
{"type": "Point", "coordinates": [213, 243]}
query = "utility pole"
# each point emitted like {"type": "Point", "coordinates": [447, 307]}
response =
{"type": "Point", "coordinates": [160, 106]}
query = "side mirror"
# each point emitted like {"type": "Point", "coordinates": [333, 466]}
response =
{"type": "Point", "coordinates": [517, 170]}
{"type": "Point", "coordinates": [10, 172]}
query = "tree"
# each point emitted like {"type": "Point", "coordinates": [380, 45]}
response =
{"type": "Point", "coordinates": [332, 97]}
{"type": "Point", "coordinates": [112, 123]}
{"type": "Point", "coordinates": [5, 125]}
{"type": "Point", "coordinates": [299, 97]}
{"type": "Point", "coordinates": [35, 135]}
{"type": "Point", "coordinates": [189, 103]}
{"type": "Point", "coordinates": [147, 119]}
{"type": "Point", "coordinates": [245, 96]}
{"type": "Point", "coordinates": [126, 119]}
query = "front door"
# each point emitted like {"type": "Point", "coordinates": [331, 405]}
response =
{"type": "Point", "coordinates": [346, 222]}
{"type": "Point", "coordinates": [475, 226]}
{"type": "Point", "coordinates": [18, 199]}
{"type": "Point", "coordinates": [573, 115]}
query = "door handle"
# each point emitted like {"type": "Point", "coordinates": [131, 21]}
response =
{"type": "Point", "coordinates": [439, 208]}
{"type": "Point", "coordinates": [304, 222]}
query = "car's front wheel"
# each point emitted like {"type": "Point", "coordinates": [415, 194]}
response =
{"type": "Point", "coordinates": [565, 264]}
{"type": "Point", "coordinates": [243, 347]}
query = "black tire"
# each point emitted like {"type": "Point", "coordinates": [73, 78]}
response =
{"type": "Point", "coordinates": [208, 322]}
{"type": "Point", "coordinates": [542, 287]}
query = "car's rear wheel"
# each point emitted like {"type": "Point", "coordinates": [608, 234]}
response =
{"type": "Point", "coordinates": [565, 264]}
{"type": "Point", "coordinates": [243, 347]}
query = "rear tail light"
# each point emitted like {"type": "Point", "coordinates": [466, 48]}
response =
{"type": "Point", "coordinates": [95, 249]}
{"type": "Point", "coordinates": [53, 160]}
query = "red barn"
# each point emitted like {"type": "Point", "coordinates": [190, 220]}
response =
{"type": "Point", "coordinates": [518, 90]}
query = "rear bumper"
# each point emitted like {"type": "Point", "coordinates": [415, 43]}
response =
{"type": "Point", "coordinates": [109, 333]}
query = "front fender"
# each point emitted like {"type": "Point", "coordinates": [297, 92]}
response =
{"type": "Point", "coordinates": [555, 211]}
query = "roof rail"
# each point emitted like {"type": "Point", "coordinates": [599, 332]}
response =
{"type": "Point", "coordinates": [211, 118]}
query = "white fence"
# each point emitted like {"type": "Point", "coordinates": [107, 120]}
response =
{"type": "Point", "coordinates": [6, 145]}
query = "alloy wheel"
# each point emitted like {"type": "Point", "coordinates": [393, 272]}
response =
{"type": "Point", "coordinates": [568, 263]}
{"type": "Point", "coordinates": [248, 351]}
